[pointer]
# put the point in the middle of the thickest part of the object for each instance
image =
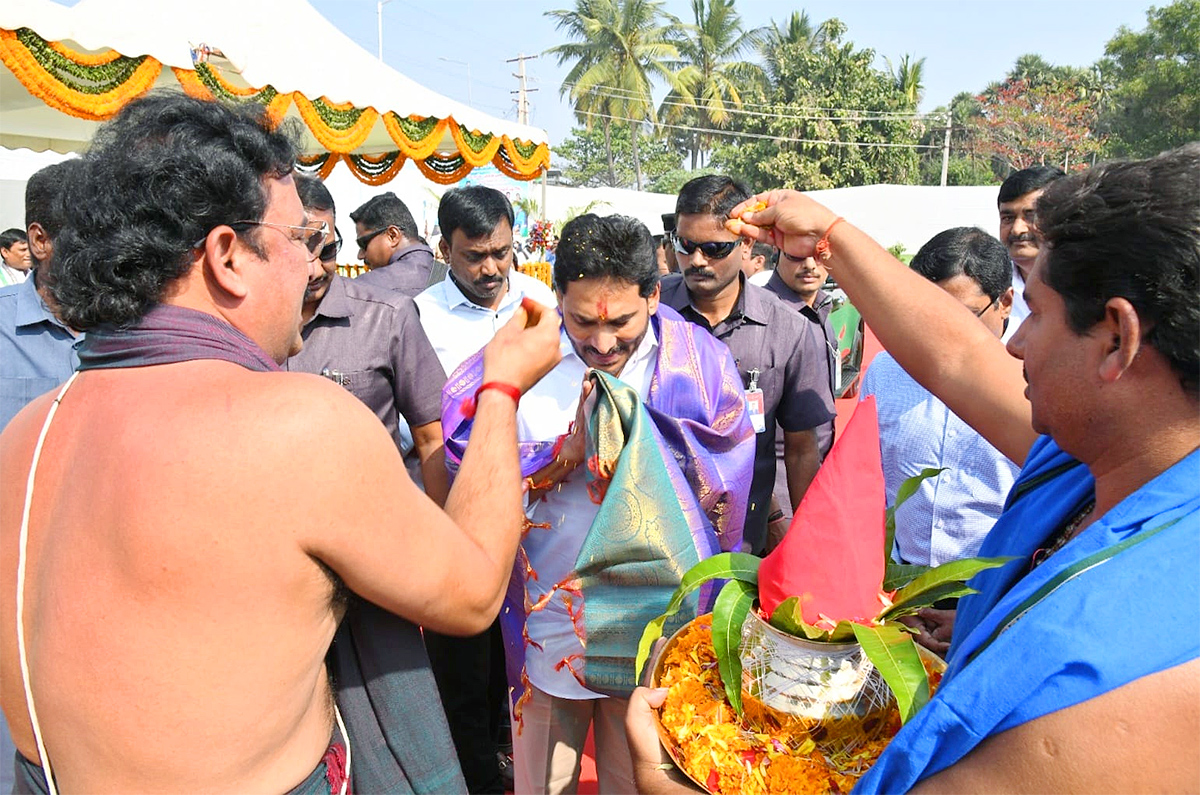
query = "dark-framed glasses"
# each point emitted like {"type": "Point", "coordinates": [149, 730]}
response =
{"type": "Point", "coordinates": [312, 239]}
{"type": "Point", "coordinates": [330, 250]}
{"type": "Point", "coordinates": [986, 308]}
{"type": "Point", "coordinates": [366, 239]}
{"type": "Point", "coordinates": [713, 249]}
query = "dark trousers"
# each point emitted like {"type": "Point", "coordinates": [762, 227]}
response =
{"type": "Point", "coordinates": [470, 676]}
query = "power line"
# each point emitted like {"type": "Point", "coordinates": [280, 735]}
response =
{"type": "Point", "coordinates": [733, 134]}
{"type": "Point", "coordinates": [771, 111]}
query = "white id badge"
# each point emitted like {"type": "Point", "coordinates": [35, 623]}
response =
{"type": "Point", "coordinates": [756, 405]}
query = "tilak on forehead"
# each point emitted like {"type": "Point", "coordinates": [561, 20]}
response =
{"type": "Point", "coordinates": [602, 309]}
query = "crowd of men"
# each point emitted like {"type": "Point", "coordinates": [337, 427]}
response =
{"type": "Point", "coordinates": [269, 528]}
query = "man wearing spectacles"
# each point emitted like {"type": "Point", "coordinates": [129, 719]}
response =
{"type": "Point", "coordinates": [1017, 204]}
{"type": "Point", "coordinates": [391, 247]}
{"type": "Point", "coordinates": [370, 341]}
{"type": "Point", "coordinates": [949, 515]}
{"type": "Point", "coordinates": [780, 357]}
{"type": "Point", "coordinates": [227, 564]}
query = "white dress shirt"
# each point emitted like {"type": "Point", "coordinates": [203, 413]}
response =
{"type": "Point", "coordinates": [947, 518]}
{"type": "Point", "coordinates": [545, 412]}
{"type": "Point", "coordinates": [1020, 309]}
{"type": "Point", "coordinates": [458, 328]}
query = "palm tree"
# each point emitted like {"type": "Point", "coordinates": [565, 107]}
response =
{"type": "Point", "coordinates": [798, 31]}
{"type": "Point", "coordinates": [908, 78]}
{"type": "Point", "coordinates": [713, 77]}
{"type": "Point", "coordinates": [617, 47]}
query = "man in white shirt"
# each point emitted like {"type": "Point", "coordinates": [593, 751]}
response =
{"type": "Point", "coordinates": [949, 515]}
{"type": "Point", "coordinates": [1017, 202]}
{"type": "Point", "coordinates": [14, 257]}
{"type": "Point", "coordinates": [611, 529]}
{"type": "Point", "coordinates": [482, 289]}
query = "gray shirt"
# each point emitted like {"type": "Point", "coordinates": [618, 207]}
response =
{"type": "Point", "coordinates": [765, 335]}
{"type": "Point", "coordinates": [409, 271]}
{"type": "Point", "coordinates": [370, 341]}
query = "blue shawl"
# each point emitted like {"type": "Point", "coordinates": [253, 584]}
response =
{"type": "Point", "coordinates": [1119, 602]}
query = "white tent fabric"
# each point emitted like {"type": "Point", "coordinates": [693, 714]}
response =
{"type": "Point", "coordinates": [286, 44]}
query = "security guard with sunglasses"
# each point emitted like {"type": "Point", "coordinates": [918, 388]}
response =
{"type": "Point", "coordinates": [780, 356]}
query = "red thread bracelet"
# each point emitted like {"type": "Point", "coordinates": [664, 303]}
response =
{"type": "Point", "coordinates": [822, 250]}
{"type": "Point", "coordinates": [499, 386]}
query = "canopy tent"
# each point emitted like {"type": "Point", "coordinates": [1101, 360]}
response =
{"type": "Point", "coordinates": [66, 69]}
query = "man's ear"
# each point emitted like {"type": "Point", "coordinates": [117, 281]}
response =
{"type": "Point", "coordinates": [1121, 333]}
{"type": "Point", "coordinates": [444, 247]}
{"type": "Point", "coordinates": [40, 247]}
{"type": "Point", "coordinates": [224, 258]}
{"type": "Point", "coordinates": [652, 301]}
{"type": "Point", "coordinates": [1004, 303]}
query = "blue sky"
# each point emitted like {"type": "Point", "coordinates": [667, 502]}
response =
{"type": "Point", "coordinates": [966, 43]}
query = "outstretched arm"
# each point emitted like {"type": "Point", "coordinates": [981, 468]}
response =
{"type": "Point", "coordinates": [389, 542]}
{"type": "Point", "coordinates": [930, 334]}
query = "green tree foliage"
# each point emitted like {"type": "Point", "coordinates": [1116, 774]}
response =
{"type": "Point", "coordinates": [822, 120]}
{"type": "Point", "coordinates": [616, 48]}
{"type": "Point", "coordinates": [583, 158]}
{"type": "Point", "coordinates": [908, 76]}
{"type": "Point", "coordinates": [713, 74]}
{"type": "Point", "coordinates": [1154, 102]}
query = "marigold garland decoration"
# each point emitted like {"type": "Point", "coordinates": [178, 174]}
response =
{"type": "Point", "coordinates": [85, 88]}
{"type": "Point", "coordinates": [95, 86]}
{"type": "Point", "coordinates": [415, 136]}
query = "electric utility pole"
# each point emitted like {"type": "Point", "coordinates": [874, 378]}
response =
{"type": "Point", "coordinates": [523, 91]}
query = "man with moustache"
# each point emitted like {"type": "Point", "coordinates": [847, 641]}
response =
{"type": "Point", "coordinates": [370, 341]}
{"type": "Point", "coordinates": [781, 356]}
{"type": "Point", "coordinates": [482, 288]}
{"type": "Point", "coordinates": [798, 282]}
{"type": "Point", "coordinates": [14, 257]}
{"type": "Point", "coordinates": [1017, 204]}
{"type": "Point", "coordinates": [460, 315]}
{"type": "Point", "coordinates": [637, 453]}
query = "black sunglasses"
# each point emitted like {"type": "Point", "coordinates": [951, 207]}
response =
{"type": "Point", "coordinates": [365, 240]}
{"type": "Point", "coordinates": [711, 250]}
{"type": "Point", "coordinates": [330, 250]}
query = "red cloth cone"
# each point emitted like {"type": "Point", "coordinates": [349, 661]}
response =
{"type": "Point", "coordinates": [832, 556]}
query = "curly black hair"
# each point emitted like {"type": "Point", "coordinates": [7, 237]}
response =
{"type": "Point", "coordinates": [156, 180]}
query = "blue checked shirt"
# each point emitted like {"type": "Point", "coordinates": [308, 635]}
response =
{"type": "Point", "coordinates": [949, 516]}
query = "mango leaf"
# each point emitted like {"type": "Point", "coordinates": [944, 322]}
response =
{"type": "Point", "coordinates": [949, 590]}
{"type": "Point", "coordinates": [907, 489]}
{"type": "Point", "coordinates": [956, 571]}
{"type": "Point", "coordinates": [898, 575]}
{"type": "Point", "coordinates": [789, 619]}
{"type": "Point", "coordinates": [738, 566]}
{"type": "Point", "coordinates": [892, 651]}
{"type": "Point", "coordinates": [729, 613]}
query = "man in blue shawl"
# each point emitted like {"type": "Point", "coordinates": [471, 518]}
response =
{"type": "Point", "coordinates": [1075, 667]}
{"type": "Point", "coordinates": [638, 454]}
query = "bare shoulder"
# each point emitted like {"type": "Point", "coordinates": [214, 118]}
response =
{"type": "Point", "coordinates": [1141, 737]}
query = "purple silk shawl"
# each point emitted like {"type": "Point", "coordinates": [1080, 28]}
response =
{"type": "Point", "coordinates": [696, 404]}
